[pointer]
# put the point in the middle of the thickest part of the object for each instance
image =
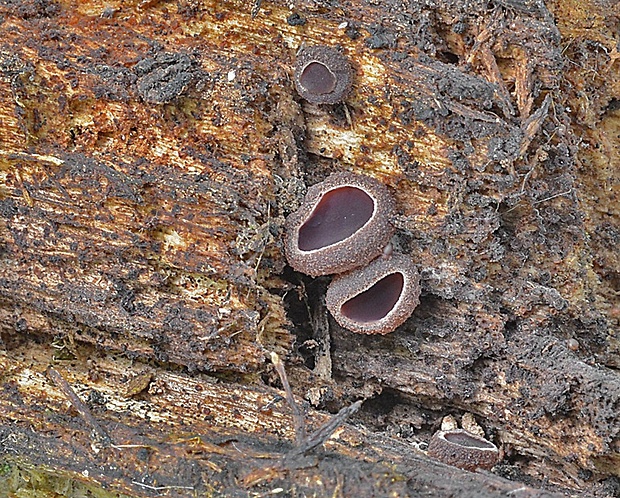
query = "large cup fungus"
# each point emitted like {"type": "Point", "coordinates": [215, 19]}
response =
{"type": "Point", "coordinates": [343, 226]}
{"type": "Point", "coordinates": [377, 298]}
{"type": "Point", "coordinates": [343, 223]}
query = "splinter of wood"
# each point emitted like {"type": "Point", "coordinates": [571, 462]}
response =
{"type": "Point", "coordinates": [271, 404]}
{"type": "Point", "coordinates": [298, 418]}
{"type": "Point", "coordinates": [306, 443]}
{"type": "Point", "coordinates": [323, 433]}
{"type": "Point", "coordinates": [100, 435]}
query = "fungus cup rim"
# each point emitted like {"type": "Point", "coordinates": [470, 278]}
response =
{"type": "Point", "coordinates": [303, 68]}
{"type": "Point", "coordinates": [358, 249]}
{"type": "Point", "coordinates": [350, 285]}
{"type": "Point", "coordinates": [375, 203]}
{"type": "Point", "coordinates": [335, 62]}
{"type": "Point", "coordinates": [463, 456]}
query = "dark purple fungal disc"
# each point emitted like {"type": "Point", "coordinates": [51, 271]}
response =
{"type": "Point", "coordinates": [463, 438]}
{"type": "Point", "coordinates": [377, 298]}
{"type": "Point", "coordinates": [343, 223]}
{"type": "Point", "coordinates": [322, 75]}
{"type": "Point", "coordinates": [317, 78]}
{"type": "Point", "coordinates": [376, 302]}
{"type": "Point", "coordinates": [339, 214]}
{"type": "Point", "coordinates": [462, 449]}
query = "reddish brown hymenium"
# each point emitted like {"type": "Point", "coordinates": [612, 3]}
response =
{"type": "Point", "coordinates": [322, 75]}
{"type": "Point", "coordinates": [462, 449]}
{"type": "Point", "coordinates": [343, 223]}
{"type": "Point", "coordinates": [377, 298]}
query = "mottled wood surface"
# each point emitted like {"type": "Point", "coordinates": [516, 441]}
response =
{"type": "Point", "coordinates": [199, 436]}
{"type": "Point", "coordinates": [149, 152]}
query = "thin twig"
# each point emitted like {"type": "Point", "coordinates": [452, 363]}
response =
{"type": "Point", "coordinates": [99, 433]}
{"type": "Point", "coordinates": [160, 488]}
{"type": "Point", "coordinates": [298, 418]}
{"type": "Point", "coordinates": [553, 196]}
{"type": "Point", "coordinates": [271, 404]}
{"type": "Point", "coordinates": [323, 433]}
{"type": "Point", "coordinates": [306, 443]}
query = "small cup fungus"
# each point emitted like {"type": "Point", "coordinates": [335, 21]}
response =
{"type": "Point", "coordinates": [462, 449]}
{"type": "Point", "coordinates": [342, 223]}
{"type": "Point", "coordinates": [322, 75]}
{"type": "Point", "coordinates": [377, 298]}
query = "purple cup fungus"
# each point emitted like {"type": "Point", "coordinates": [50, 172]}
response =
{"type": "Point", "coordinates": [343, 223]}
{"type": "Point", "coordinates": [462, 449]}
{"type": "Point", "coordinates": [377, 298]}
{"type": "Point", "coordinates": [322, 75]}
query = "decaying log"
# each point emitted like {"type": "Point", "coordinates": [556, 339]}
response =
{"type": "Point", "coordinates": [149, 153]}
{"type": "Point", "coordinates": [188, 435]}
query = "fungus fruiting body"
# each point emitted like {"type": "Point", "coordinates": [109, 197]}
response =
{"type": "Point", "coordinates": [343, 223]}
{"type": "Point", "coordinates": [377, 298]}
{"type": "Point", "coordinates": [322, 75]}
{"type": "Point", "coordinates": [462, 449]}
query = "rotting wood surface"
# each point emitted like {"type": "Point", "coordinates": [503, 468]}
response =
{"type": "Point", "coordinates": [149, 153]}
{"type": "Point", "coordinates": [197, 435]}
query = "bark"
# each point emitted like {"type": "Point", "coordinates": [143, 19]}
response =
{"type": "Point", "coordinates": [149, 153]}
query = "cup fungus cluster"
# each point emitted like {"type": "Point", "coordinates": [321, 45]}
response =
{"type": "Point", "coordinates": [322, 75]}
{"type": "Point", "coordinates": [343, 227]}
{"type": "Point", "coordinates": [462, 449]}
